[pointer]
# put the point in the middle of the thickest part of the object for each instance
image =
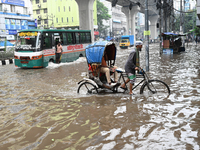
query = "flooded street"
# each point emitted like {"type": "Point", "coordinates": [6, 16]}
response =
{"type": "Point", "coordinates": [40, 108]}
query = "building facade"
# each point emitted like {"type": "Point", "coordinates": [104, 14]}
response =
{"type": "Point", "coordinates": [118, 20]}
{"type": "Point", "coordinates": [58, 13]}
{"type": "Point", "coordinates": [117, 23]}
{"type": "Point", "coordinates": [15, 15]}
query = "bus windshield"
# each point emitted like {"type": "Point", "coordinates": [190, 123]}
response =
{"type": "Point", "coordinates": [28, 41]}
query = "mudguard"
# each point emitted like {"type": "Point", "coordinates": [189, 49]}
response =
{"type": "Point", "coordinates": [91, 81]}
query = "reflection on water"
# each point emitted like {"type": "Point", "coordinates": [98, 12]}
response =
{"type": "Point", "coordinates": [41, 110]}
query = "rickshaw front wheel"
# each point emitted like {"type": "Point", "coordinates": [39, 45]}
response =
{"type": "Point", "coordinates": [87, 88]}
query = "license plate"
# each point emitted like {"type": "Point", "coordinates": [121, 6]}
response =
{"type": "Point", "coordinates": [24, 65]}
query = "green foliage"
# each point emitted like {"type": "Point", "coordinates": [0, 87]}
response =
{"type": "Point", "coordinates": [102, 14]}
{"type": "Point", "coordinates": [188, 21]}
{"type": "Point", "coordinates": [9, 53]}
{"type": "Point", "coordinates": [197, 31]}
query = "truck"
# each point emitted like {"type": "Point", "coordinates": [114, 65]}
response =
{"type": "Point", "coordinates": [126, 41]}
{"type": "Point", "coordinates": [109, 38]}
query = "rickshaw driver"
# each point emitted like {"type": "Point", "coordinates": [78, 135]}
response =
{"type": "Point", "coordinates": [132, 65]}
{"type": "Point", "coordinates": [105, 69]}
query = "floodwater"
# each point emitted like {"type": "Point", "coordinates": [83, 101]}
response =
{"type": "Point", "coordinates": [40, 108]}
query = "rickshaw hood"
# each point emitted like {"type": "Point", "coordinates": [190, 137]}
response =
{"type": "Point", "coordinates": [95, 51]}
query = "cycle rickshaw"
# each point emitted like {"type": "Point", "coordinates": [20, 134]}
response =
{"type": "Point", "coordinates": [96, 81]}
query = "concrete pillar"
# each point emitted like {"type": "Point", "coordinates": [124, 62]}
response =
{"type": "Point", "coordinates": [86, 16]}
{"type": "Point", "coordinates": [133, 13]}
{"type": "Point", "coordinates": [153, 27]}
{"type": "Point", "coordinates": [126, 11]}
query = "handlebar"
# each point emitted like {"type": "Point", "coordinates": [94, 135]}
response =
{"type": "Point", "coordinates": [141, 71]}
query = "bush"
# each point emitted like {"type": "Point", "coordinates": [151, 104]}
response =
{"type": "Point", "coordinates": [9, 53]}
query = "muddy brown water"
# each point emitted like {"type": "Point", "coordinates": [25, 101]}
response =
{"type": "Point", "coordinates": [41, 110]}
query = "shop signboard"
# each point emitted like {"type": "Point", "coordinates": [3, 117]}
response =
{"type": "Point", "coordinates": [12, 32]}
{"type": "Point", "coordinates": [12, 24]}
{"type": "Point", "coordinates": [2, 31]}
{"type": "Point", "coordinates": [14, 2]}
{"type": "Point", "coordinates": [168, 51]}
{"type": "Point", "coordinates": [35, 22]}
{"type": "Point", "coordinates": [18, 24]}
{"type": "Point", "coordinates": [24, 24]}
{"type": "Point", "coordinates": [7, 23]}
{"type": "Point", "coordinates": [10, 37]}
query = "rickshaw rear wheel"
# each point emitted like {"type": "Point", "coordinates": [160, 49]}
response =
{"type": "Point", "coordinates": [87, 88]}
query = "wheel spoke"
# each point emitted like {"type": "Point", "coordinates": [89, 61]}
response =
{"type": "Point", "coordinates": [86, 87]}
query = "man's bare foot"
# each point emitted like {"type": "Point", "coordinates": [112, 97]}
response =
{"type": "Point", "coordinates": [123, 87]}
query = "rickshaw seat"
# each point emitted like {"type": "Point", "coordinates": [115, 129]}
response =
{"type": "Point", "coordinates": [95, 68]}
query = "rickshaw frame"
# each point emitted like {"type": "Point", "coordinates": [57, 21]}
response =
{"type": "Point", "coordinates": [94, 81]}
{"type": "Point", "coordinates": [94, 54]}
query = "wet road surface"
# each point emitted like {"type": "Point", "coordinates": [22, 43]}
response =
{"type": "Point", "coordinates": [40, 108]}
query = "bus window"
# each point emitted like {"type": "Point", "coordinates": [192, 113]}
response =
{"type": "Point", "coordinates": [61, 38]}
{"type": "Point", "coordinates": [56, 38]}
{"type": "Point", "coordinates": [69, 38]}
{"type": "Point", "coordinates": [64, 39]}
{"type": "Point", "coordinates": [77, 38]}
{"type": "Point", "coordinates": [47, 40]}
{"type": "Point", "coordinates": [88, 38]}
{"type": "Point", "coordinates": [52, 39]}
{"type": "Point", "coordinates": [82, 38]}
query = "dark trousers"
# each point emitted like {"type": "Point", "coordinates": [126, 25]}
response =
{"type": "Point", "coordinates": [58, 57]}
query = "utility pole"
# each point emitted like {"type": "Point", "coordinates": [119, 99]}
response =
{"type": "Point", "coordinates": [181, 17]}
{"type": "Point", "coordinates": [147, 32]}
{"type": "Point", "coordinates": [172, 15]}
{"type": "Point", "coordinates": [184, 23]}
{"type": "Point", "coordinates": [165, 14]}
{"type": "Point", "coordinates": [160, 14]}
{"type": "Point", "coordinates": [193, 17]}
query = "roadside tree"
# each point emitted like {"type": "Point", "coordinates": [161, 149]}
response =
{"type": "Point", "coordinates": [189, 20]}
{"type": "Point", "coordinates": [102, 14]}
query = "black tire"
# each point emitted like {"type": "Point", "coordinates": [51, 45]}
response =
{"type": "Point", "coordinates": [51, 60]}
{"type": "Point", "coordinates": [155, 87]}
{"type": "Point", "coordinates": [86, 88]}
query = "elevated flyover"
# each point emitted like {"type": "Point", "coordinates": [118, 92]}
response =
{"type": "Point", "coordinates": [130, 9]}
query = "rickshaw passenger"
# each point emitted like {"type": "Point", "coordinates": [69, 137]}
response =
{"type": "Point", "coordinates": [105, 69]}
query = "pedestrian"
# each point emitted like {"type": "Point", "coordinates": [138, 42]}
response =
{"type": "Point", "coordinates": [196, 40]}
{"type": "Point", "coordinates": [132, 65]}
{"type": "Point", "coordinates": [59, 53]}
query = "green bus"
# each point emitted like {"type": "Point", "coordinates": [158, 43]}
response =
{"type": "Point", "coordinates": [35, 48]}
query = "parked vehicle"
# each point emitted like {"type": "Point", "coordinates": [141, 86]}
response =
{"type": "Point", "coordinates": [172, 43]}
{"type": "Point", "coordinates": [126, 41]}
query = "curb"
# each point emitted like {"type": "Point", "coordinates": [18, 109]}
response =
{"type": "Point", "coordinates": [6, 62]}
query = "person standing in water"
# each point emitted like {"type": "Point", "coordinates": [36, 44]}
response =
{"type": "Point", "coordinates": [59, 52]}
